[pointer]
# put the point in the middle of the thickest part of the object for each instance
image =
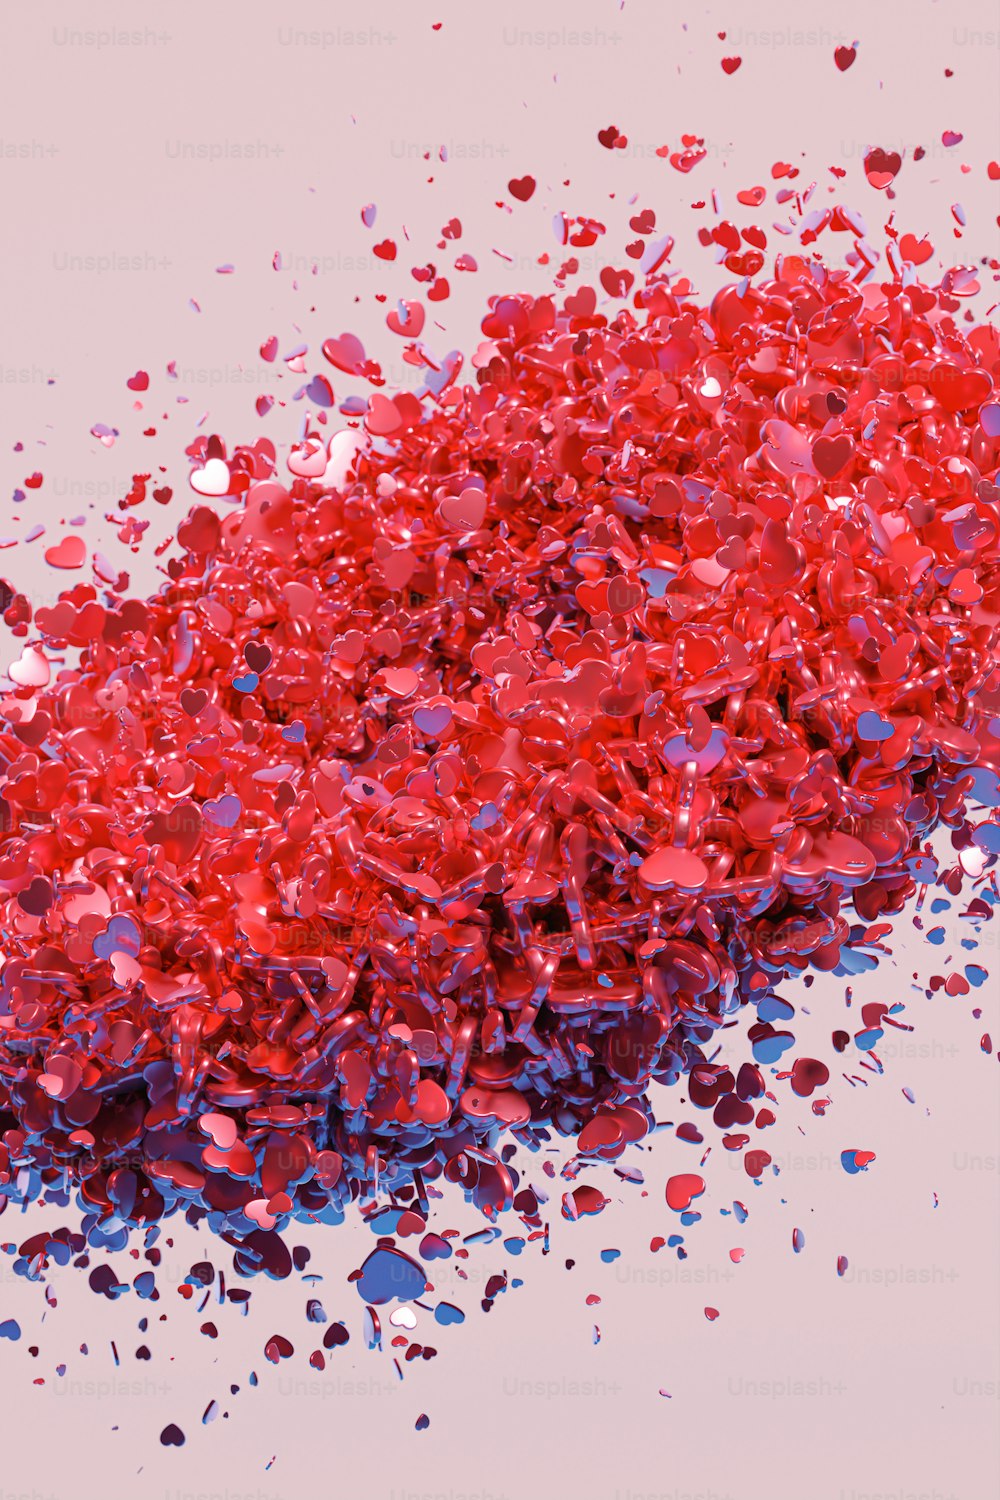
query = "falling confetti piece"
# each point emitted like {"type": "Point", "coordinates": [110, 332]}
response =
{"type": "Point", "coordinates": [71, 552]}
{"type": "Point", "coordinates": [521, 188]}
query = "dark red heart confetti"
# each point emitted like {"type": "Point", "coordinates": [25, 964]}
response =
{"type": "Point", "coordinates": [521, 188]}
{"type": "Point", "coordinates": [881, 166]}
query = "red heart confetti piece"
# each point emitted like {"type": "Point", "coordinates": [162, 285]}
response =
{"type": "Point", "coordinates": [881, 166]}
{"type": "Point", "coordinates": [71, 552]}
{"type": "Point", "coordinates": [521, 188]}
{"type": "Point", "coordinates": [917, 252]}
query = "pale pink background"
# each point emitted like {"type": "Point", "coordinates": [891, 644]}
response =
{"type": "Point", "coordinates": [808, 1387]}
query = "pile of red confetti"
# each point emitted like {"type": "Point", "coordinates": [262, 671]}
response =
{"type": "Point", "coordinates": [475, 776]}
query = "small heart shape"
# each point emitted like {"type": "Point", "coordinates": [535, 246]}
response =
{"type": "Point", "coordinates": [193, 700]}
{"type": "Point", "coordinates": [407, 321]}
{"type": "Point", "coordinates": [831, 455]}
{"type": "Point", "coordinates": [882, 166]}
{"type": "Point", "coordinates": [213, 479]}
{"type": "Point", "coordinates": [521, 188]}
{"type": "Point", "coordinates": [593, 597]}
{"type": "Point", "coordinates": [464, 512]}
{"type": "Point", "coordinates": [616, 283]}
{"type": "Point", "coordinates": [138, 382]}
{"type": "Point", "coordinates": [71, 552]}
{"type": "Point", "coordinates": [30, 670]}
{"type": "Point", "coordinates": [320, 391]}
{"type": "Point", "coordinates": [224, 812]}
{"type": "Point", "coordinates": [257, 1210]}
{"type": "Point", "coordinates": [432, 719]}
{"type": "Point", "coordinates": [382, 417]}
{"type": "Point", "coordinates": [732, 554]}
{"type": "Point", "coordinates": [308, 460]}
{"type": "Point", "coordinates": [872, 726]}
{"type": "Point", "coordinates": [914, 250]}
{"type": "Point", "coordinates": [624, 595]}
{"type": "Point", "coordinates": [844, 56]}
{"type": "Point", "coordinates": [730, 64]}
{"type": "Point", "coordinates": [36, 898]}
{"type": "Point", "coordinates": [258, 656]}
{"type": "Point", "coordinates": [120, 936]}
{"type": "Point", "coordinates": [346, 353]}
{"type": "Point", "coordinates": [582, 303]}
{"type": "Point", "coordinates": [220, 1128]}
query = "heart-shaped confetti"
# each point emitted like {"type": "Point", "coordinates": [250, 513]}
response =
{"type": "Point", "coordinates": [464, 512]}
{"type": "Point", "coordinates": [193, 700]}
{"type": "Point", "coordinates": [213, 479]}
{"type": "Point", "coordinates": [882, 166]}
{"type": "Point", "coordinates": [223, 812]}
{"type": "Point", "coordinates": [407, 320]}
{"type": "Point", "coordinates": [346, 353]}
{"type": "Point", "coordinates": [831, 455]}
{"type": "Point", "coordinates": [70, 552]}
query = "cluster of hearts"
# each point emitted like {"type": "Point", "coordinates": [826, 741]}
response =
{"type": "Point", "coordinates": [474, 773]}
